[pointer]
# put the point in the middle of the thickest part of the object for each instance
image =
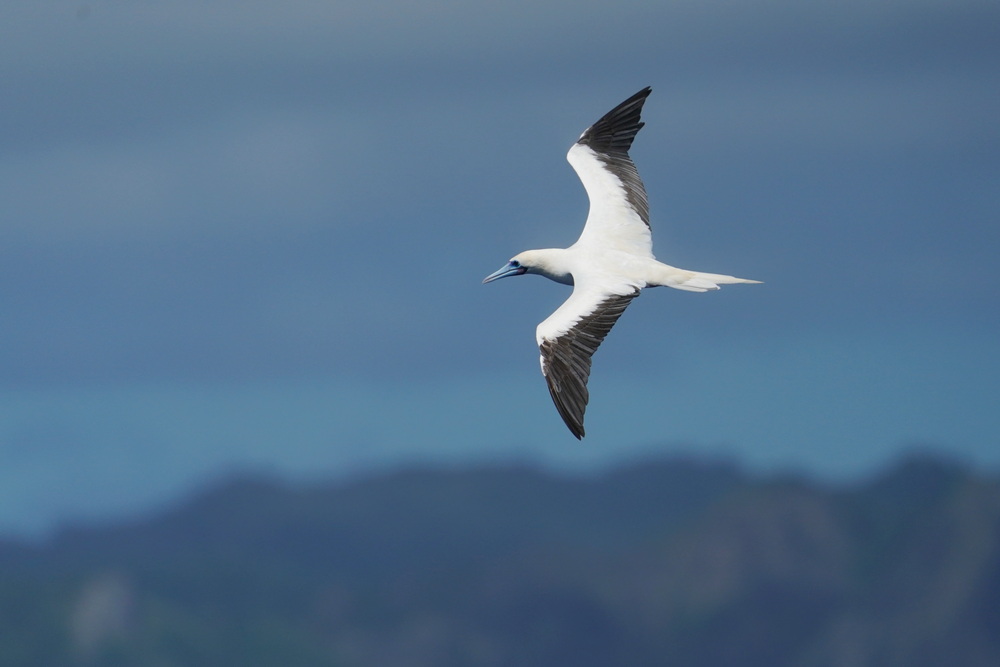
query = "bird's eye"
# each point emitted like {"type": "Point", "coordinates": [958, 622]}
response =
{"type": "Point", "coordinates": [515, 263]}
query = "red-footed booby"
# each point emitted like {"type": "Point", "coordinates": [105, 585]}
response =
{"type": "Point", "coordinates": [608, 265]}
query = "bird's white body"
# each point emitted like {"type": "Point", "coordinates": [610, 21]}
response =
{"type": "Point", "coordinates": [597, 272]}
{"type": "Point", "coordinates": [609, 264]}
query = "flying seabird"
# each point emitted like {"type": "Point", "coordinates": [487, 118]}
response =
{"type": "Point", "coordinates": [608, 265]}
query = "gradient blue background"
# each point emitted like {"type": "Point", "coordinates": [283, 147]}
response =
{"type": "Point", "coordinates": [252, 234]}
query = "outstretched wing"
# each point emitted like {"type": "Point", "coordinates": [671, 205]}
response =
{"type": "Point", "coordinates": [619, 211]}
{"type": "Point", "coordinates": [568, 339]}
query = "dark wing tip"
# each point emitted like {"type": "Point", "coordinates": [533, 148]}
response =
{"type": "Point", "coordinates": [566, 387]}
{"type": "Point", "coordinates": [616, 130]}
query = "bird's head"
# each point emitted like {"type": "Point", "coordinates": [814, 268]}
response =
{"type": "Point", "coordinates": [553, 263]}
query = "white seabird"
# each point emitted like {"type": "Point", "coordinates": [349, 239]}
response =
{"type": "Point", "coordinates": [608, 265]}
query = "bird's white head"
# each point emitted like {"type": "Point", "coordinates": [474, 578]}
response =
{"type": "Point", "coordinates": [551, 262]}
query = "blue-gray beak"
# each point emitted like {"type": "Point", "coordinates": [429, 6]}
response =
{"type": "Point", "coordinates": [508, 269]}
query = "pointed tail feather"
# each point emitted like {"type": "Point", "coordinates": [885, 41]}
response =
{"type": "Point", "coordinates": [696, 281]}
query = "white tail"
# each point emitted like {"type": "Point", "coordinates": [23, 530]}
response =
{"type": "Point", "coordinates": [694, 281]}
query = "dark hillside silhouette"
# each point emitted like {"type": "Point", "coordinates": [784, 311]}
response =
{"type": "Point", "coordinates": [678, 562]}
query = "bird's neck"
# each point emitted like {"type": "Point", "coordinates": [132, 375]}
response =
{"type": "Point", "coordinates": [553, 263]}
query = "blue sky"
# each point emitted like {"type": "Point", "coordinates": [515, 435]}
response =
{"type": "Point", "coordinates": [249, 234]}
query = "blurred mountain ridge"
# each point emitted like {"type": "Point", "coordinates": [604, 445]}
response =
{"type": "Point", "coordinates": [680, 562]}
